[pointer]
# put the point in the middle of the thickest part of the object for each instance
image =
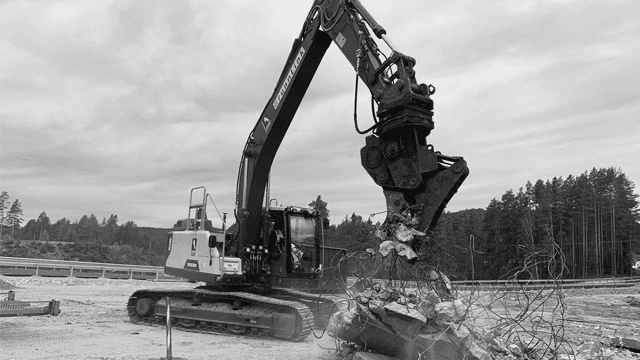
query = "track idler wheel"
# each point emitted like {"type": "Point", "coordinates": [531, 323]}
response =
{"type": "Point", "coordinates": [144, 306]}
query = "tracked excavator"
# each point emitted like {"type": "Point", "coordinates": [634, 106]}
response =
{"type": "Point", "coordinates": [268, 275]}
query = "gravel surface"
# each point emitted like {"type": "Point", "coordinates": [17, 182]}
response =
{"type": "Point", "coordinates": [94, 324]}
{"type": "Point", "coordinates": [4, 285]}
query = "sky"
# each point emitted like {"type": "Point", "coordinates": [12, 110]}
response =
{"type": "Point", "coordinates": [121, 107]}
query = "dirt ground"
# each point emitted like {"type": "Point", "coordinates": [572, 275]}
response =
{"type": "Point", "coordinates": [598, 314]}
{"type": "Point", "coordinates": [94, 325]}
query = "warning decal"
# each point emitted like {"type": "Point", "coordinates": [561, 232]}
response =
{"type": "Point", "coordinates": [266, 124]}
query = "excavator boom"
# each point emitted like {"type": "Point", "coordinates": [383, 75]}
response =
{"type": "Point", "coordinates": [396, 154]}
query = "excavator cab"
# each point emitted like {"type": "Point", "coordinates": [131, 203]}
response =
{"type": "Point", "coordinates": [298, 257]}
{"type": "Point", "coordinates": [294, 241]}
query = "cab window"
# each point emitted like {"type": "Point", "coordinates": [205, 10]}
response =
{"type": "Point", "coordinates": [303, 230]}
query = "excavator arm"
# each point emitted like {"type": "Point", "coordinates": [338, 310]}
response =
{"type": "Point", "coordinates": [396, 154]}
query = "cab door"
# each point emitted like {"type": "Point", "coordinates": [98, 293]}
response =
{"type": "Point", "coordinates": [303, 253]}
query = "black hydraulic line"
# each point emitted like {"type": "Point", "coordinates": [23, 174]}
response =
{"type": "Point", "coordinates": [355, 112]}
{"type": "Point", "coordinates": [377, 28]}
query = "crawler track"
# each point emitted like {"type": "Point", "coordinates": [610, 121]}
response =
{"type": "Point", "coordinates": [208, 311]}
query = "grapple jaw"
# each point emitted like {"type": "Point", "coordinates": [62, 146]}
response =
{"type": "Point", "coordinates": [429, 200]}
{"type": "Point", "coordinates": [412, 175]}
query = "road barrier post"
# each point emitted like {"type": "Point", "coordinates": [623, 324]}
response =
{"type": "Point", "coordinates": [131, 274]}
{"type": "Point", "coordinates": [71, 273]}
{"type": "Point", "coordinates": [37, 269]}
{"type": "Point", "coordinates": [103, 272]}
{"type": "Point", "coordinates": [169, 348]}
{"type": "Point", "coordinates": [169, 354]}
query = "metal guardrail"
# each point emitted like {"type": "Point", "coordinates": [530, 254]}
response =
{"type": "Point", "coordinates": [525, 284]}
{"type": "Point", "coordinates": [48, 267]}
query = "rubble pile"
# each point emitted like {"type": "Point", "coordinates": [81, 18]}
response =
{"type": "Point", "coordinates": [407, 325]}
{"type": "Point", "coordinates": [423, 323]}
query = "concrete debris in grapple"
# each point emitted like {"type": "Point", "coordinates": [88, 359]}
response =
{"type": "Point", "coordinates": [399, 234]}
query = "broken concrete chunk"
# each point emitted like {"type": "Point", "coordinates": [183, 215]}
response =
{"type": "Point", "coordinates": [431, 327]}
{"type": "Point", "coordinates": [401, 310]}
{"type": "Point", "coordinates": [415, 232]}
{"type": "Point", "coordinates": [427, 309]}
{"type": "Point", "coordinates": [386, 247]}
{"type": "Point", "coordinates": [498, 345]}
{"type": "Point", "coordinates": [436, 346]}
{"type": "Point", "coordinates": [362, 299]}
{"type": "Point", "coordinates": [404, 321]}
{"type": "Point", "coordinates": [340, 322]}
{"type": "Point", "coordinates": [427, 306]}
{"type": "Point", "coordinates": [447, 283]}
{"type": "Point", "coordinates": [434, 275]}
{"type": "Point", "coordinates": [404, 234]}
{"type": "Point", "coordinates": [588, 351]}
{"type": "Point", "coordinates": [429, 295]}
{"type": "Point", "coordinates": [515, 349]}
{"type": "Point", "coordinates": [402, 300]}
{"type": "Point", "coordinates": [367, 292]}
{"type": "Point", "coordinates": [384, 295]}
{"type": "Point", "coordinates": [458, 333]}
{"type": "Point", "coordinates": [406, 251]}
{"type": "Point", "coordinates": [450, 311]}
{"type": "Point", "coordinates": [376, 306]}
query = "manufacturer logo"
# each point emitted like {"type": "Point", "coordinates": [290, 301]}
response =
{"type": "Point", "coordinates": [192, 265]}
{"type": "Point", "coordinates": [287, 80]}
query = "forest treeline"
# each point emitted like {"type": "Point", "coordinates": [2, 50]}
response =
{"type": "Point", "coordinates": [592, 220]}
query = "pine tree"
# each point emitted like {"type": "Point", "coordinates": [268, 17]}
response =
{"type": "Point", "coordinates": [15, 215]}
{"type": "Point", "coordinates": [320, 206]}
{"type": "Point", "coordinates": [4, 203]}
{"type": "Point", "coordinates": [42, 224]}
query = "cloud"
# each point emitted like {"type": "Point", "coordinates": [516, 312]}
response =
{"type": "Point", "coordinates": [122, 107]}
